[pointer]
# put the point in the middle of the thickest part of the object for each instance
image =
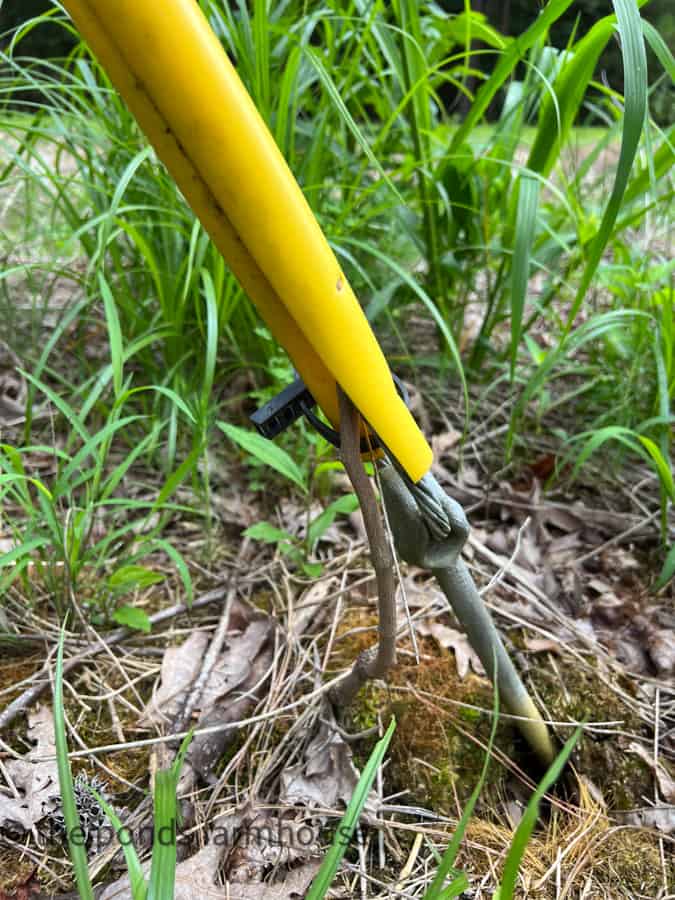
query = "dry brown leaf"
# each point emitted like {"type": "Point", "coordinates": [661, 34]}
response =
{"type": "Point", "coordinates": [180, 667]}
{"type": "Point", "coordinates": [252, 656]}
{"type": "Point", "coordinates": [325, 778]}
{"type": "Point", "coordinates": [234, 663]}
{"type": "Point", "coordinates": [442, 443]}
{"type": "Point", "coordinates": [542, 645]}
{"type": "Point", "coordinates": [269, 841]}
{"type": "Point", "coordinates": [34, 776]}
{"type": "Point", "coordinates": [662, 818]}
{"type": "Point", "coordinates": [264, 843]}
{"type": "Point", "coordinates": [450, 639]}
{"type": "Point", "coordinates": [661, 649]}
{"type": "Point", "coordinates": [293, 887]}
{"type": "Point", "coordinates": [663, 778]}
{"type": "Point", "coordinates": [311, 607]}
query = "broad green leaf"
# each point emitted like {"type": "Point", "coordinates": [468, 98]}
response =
{"type": "Point", "coordinates": [265, 451]}
{"type": "Point", "coordinates": [263, 531]}
{"type": "Point", "coordinates": [133, 618]}
{"type": "Point", "coordinates": [558, 112]}
{"type": "Point", "coordinates": [473, 26]}
{"type": "Point", "coordinates": [131, 576]}
{"type": "Point", "coordinates": [324, 520]}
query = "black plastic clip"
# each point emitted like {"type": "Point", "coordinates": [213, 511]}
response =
{"type": "Point", "coordinates": [284, 409]}
{"type": "Point", "coordinates": [296, 400]}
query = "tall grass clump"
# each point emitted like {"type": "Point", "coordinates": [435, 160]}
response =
{"type": "Point", "coordinates": [447, 164]}
{"type": "Point", "coordinates": [161, 882]}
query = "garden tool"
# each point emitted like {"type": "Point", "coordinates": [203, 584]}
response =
{"type": "Point", "coordinates": [179, 83]}
{"type": "Point", "coordinates": [430, 529]}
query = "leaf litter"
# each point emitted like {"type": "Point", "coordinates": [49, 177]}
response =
{"type": "Point", "coordinates": [295, 770]}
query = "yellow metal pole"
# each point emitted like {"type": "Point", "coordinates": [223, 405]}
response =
{"type": "Point", "coordinates": [177, 80]}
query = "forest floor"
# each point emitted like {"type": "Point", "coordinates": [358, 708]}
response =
{"type": "Point", "coordinates": [566, 572]}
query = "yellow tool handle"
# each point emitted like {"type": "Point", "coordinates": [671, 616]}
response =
{"type": "Point", "coordinates": [177, 80]}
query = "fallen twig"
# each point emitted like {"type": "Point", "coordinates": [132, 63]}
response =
{"type": "Point", "coordinates": [41, 679]}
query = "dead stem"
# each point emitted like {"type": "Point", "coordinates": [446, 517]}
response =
{"type": "Point", "coordinates": [375, 662]}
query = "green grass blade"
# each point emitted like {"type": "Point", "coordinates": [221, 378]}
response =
{"type": "Point", "coordinates": [558, 112]}
{"type": "Point", "coordinates": [589, 331]}
{"type": "Point", "coordinates": [177, 477]}
{"type": "Point", "coordinates": [78, 853]}
{"type": "Point", "coordinates": [508, 61]}
{"type": "Point", "coordinates": [139, 888]}
{"type": "Point", "coordinates": [74, 467]}
{"type": "Point", "coordinates": [456, 888]}
{"type": "Point", "coordinates": [350, 122]}
{"type": "Point", "coordinates": [343, 835]}
{"type": "Point", "coordinates": [436, 889]}
{"type": "Point", "coordinates": [638, 443]}
{"type": "Point", "coordinates": [526, 224]}
{"type": "Point", "coordinates": [529, 820]}
{"type": "Point", "coordinates": [635, 110]}
{"type": "Point", "coordinates": [122, 185]}
{"type": "Point", "coordinates": [121, 470]}
{"type": "Point", "coordinates": [660, 49]}
{"type": "Point", "coordinates": [180, 564]}
{"type": "Point", "coordinates": [667, 570]}
{"type": "Point", "coordinates": [661, 163]}
{"type": "Point", "coordinates": [211, 338]}
{"type": "Point", "coordinates": [265, 451]}
{"type": "Point", "coordinates": [23, 550]}
{"type": "Point", "coordinates": [64, 408]}
{"type": "Point", "coordinates": [114, 333]}
{"type": "Point", "coordinates": [166, 820]}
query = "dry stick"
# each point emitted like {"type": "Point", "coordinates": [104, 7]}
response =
{"type": "Point", "coordinates": [375, 662]}
{"type": "Point", "coordinates": [29, 696]}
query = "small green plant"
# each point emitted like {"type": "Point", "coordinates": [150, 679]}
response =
{"type": "Point", "coordinates": [297, 550]}
{"type": "Point", "coordinates": [81, 523]}
{"type": "Point", "coordinates": [166, 815]}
